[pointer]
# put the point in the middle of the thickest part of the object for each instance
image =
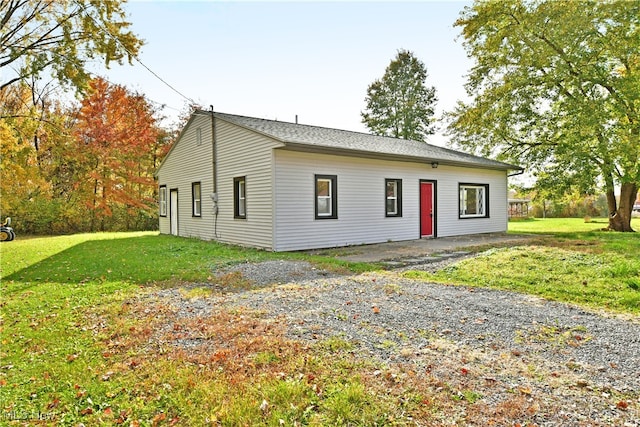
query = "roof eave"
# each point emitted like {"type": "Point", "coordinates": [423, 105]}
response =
{"type": "Point", "coordinates": [320, 149]}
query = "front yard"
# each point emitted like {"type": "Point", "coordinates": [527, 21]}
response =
{"type": "Point", "coordinates": [85, 337]}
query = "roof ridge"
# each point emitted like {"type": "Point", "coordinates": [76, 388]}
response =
{"type": "Point", "coordinates": [328, 128]}
{"type": "Point", "coordinates": [333, 138]}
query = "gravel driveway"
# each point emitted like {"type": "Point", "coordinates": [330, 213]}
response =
{"type": "Point", "coordinates": [575, 364]}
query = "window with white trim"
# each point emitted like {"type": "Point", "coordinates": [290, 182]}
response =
{"type": "Point", "coordinates": [326, 194]}
{"type": "Point", "coordinates": [474, 200]}
{"type": "Point", "coordinates": [162, 200]}
{"type": "Point", "coordinates": [393, 197]}
{"type": "Point", "coordinates": [240, 197]}
{"type": "Point", "coordinates": [196, 198]}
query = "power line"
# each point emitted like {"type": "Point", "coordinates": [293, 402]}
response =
{"type": "Point", "coordinates": [188, 99]}
{"type": "Point", "coordinates": [163, 81]}
{"type": "Point", "coordinates": [144, 95]}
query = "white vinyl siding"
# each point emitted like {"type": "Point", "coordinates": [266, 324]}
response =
{"type": "Point", "coordinates": [280, 200]}
{"type": "Point", "coordinates": [449, 222]}
{"type": "Point", "coordinates": [187, 163]}
{"type": "Point", "coordinates": [361, 190]}
{"type": "Point", "coordinates": [243, 153]}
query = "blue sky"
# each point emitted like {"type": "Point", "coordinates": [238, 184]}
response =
{"type": "Point", "coordinates": [276, 60]}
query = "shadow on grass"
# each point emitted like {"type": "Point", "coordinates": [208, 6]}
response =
{"type": "Point", "coordinates": [138, 260]}
{"type": "Point", "coordinates": [153, 259]}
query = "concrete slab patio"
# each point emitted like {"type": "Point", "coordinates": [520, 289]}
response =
{"type": "Point", "coordinates": [420, 248]}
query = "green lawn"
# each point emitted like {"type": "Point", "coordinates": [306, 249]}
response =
{"type": "Point", "coordinates": [80, 344]}
{"type": "Point", "coordinates": [563, 225]}
{"type": "Point", "coordinates": [571, 261]}
{"type": "Point", "coordinates": [76, 331]}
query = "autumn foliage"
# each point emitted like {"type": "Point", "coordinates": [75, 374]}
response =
{"type": "Point", "coordinates": [88, 167]}
{"type": "Point", "coordinates": [114, 139]}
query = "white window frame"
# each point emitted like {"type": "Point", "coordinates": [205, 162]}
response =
{"type": "Point", "coordinates": [395, 198]}
{"type": "Point", "coordinates": [330, 200]}
{"type": "Point", "coordinates": [162, 200]}
{"type": "Point", "coordinates": [196, 197]}
{"type": "Point", "coordinates": [240, 197]}
{"type": "Point", "coordinates": [481, 197]}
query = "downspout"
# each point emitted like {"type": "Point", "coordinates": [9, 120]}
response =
{"type": "Point", "coordinates": [214, 157]}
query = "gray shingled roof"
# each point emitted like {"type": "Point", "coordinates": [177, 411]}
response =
{"type": "Point", "coordinates": [315, 138]}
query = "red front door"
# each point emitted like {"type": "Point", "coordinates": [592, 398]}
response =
{"type": "Point", "coordinates": [426, 209]}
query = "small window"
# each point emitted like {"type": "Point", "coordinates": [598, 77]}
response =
{"type": "Point", "coordinates": [240, 197]}
{"type": "Point", "coordinates": [474, 200]}
{"type": "Point", "coordinates": [393, 197]}
{"type": "Point", "coordinates": [326, 197]}
{"type": "Point", "coordinates": [196, 197]}
{"type": "Point", "coordinates": [162, 200]}
{"type": "Point", "coordinates": [198, 136]}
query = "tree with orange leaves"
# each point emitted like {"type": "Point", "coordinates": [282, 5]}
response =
{"type": "Point", "coordinates": [116, 138]}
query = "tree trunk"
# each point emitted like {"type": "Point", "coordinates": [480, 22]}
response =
{"type": "Point", "coordinates": [94, 204]}
{"type": "Point", "coordinates": [620, 217]}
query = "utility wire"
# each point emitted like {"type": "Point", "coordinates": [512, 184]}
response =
{"type": "Point", "coordinates": [134, 56]}
{"type": "Point", "coordinates": [162, 105]}
{"type": "Point", "coordinates": [163, 81]}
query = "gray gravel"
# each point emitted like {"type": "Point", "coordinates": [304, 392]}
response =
{"type": "Point", "coordinates": [358, 307]}
{"type": "Point", "coordinates": [275, 272]}
{"type": "Point", "coordinates": [398, 320]}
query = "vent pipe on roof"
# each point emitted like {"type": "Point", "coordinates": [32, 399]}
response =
{"type": "Point", "coordinates": [296, 119]}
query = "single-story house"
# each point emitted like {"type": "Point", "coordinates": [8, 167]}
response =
{"type": "Point", "coordinates": [285, 186]}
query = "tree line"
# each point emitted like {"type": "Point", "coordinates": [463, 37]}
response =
{"type": "Point", "coordinates": [70, 167]}
{"type": "Point", "coordinates": [555, 87]}
{"type": "Point", "coordinates": [85, 167]}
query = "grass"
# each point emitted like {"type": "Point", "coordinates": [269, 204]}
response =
{"type": "Point", "coordinates": [140, 258]}
{"type": "Point", "coordinates": [560, 225]}
{"type": "Point", "coordinates": [572, 261]}
{"type": "Point", "coordinates": [85, 338]}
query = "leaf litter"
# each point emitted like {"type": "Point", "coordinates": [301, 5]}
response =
{"type": "Point", "coordinates": [482, 357]}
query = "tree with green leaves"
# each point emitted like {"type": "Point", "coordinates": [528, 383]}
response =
{"type": "Point", "coordinates": [36, 175]}
{"type": "Point", "coordinates": [401, 104]}
{"type": "Point", "coordinates": [61, 36]}
{"type": "Point", "coordinates": [556, 88]}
